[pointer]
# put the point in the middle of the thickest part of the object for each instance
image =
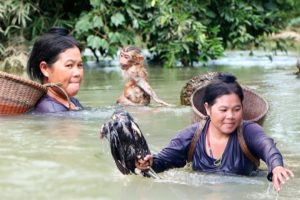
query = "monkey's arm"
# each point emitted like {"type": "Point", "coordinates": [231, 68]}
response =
{"type": "Point", "coordinates": [130, 95]}
{"type": "Point", "coordinates": [147, 88]}
{"type": "Point", "coordinates": [124, 101]}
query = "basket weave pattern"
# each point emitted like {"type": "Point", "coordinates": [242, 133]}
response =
{"type": "Point", "coordinates": [255, 107]}
{"type": "Point", "coordinates": [18, 95]}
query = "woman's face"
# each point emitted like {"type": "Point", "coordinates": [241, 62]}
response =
{"type": "Point", "coordinates": [67, 70]}
{"type": "Point", "coordinates": [226, 114]}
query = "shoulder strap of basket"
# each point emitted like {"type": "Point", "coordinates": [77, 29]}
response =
{"type": "Point", "coordinates": [241, 140]}
{"type": "Point", "coordinates": [195, 139]}
{"type": "Point", "coordinates": [58, 86]}
{"type": "Point", "coordinates": [244, 147]}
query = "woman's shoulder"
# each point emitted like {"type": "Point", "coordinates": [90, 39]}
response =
{"type": "Point", "coordinates": [188, 132]}
{"type": "Point", "coordinates": [253, 131]}
{"type": "Point", "coordinates": [250, 126]}
{"type": "Point", "coordinates": [49, 105]}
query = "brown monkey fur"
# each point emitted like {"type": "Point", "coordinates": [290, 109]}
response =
{"type": "Point", "coordinates": [137, 90]}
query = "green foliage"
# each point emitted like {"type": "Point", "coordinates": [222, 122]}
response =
{"type": "Point", "coordinates": [176, 32]}
{"type": "Point", "coordinates": [109, 25]}
{"type": "Point", "coordinates": [185, 31]}
{"type": "Point", "coordinates": [117, 19]}
{"type": "Point", "coordinates": [243, 22]}
{"type": "Point", "coordinates": [22, 21]}
{"type": "Point", "coordinates": [14, 17]}
{"type": "Point", "coordinates": [61, 13]}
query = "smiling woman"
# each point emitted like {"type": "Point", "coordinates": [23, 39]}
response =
{"type": "Point", "coordinates": [217, 148]}
{"type": "Point", "coordinates": [56, 60]}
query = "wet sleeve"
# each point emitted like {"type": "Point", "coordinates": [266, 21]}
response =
{"type": "Point", "coordinates": [175, 154]}
{"type": "Point", "coordinates": [47, 105]}
{"type": "Point", "coordinates": [263, 147]}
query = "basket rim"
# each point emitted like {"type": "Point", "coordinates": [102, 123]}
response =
{"type": "Point", "coordinates": [245, 88]}
{"type": "Point", "coordinates": [19, 79]}
{"type": "Point", "coordinates": [265, 111]}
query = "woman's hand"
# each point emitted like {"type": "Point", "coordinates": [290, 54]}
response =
{"type": "Point", "coordinates": [144, 164]}
{"type": "Point", "coordinates": [280, 176]}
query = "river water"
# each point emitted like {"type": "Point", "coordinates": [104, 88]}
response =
{"type": "Point", "coordinates": [60, 156]}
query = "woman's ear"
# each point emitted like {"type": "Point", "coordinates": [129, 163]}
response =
{"type": "Point", "coordinates": [206, 106]}
{"type": "Point", "coordinates": [44, 68]}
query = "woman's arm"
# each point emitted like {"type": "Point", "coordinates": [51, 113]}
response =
{"type": "Point", "coordinates": [264, 147]}
{"type": "Point", "coordinates": [174, 155]}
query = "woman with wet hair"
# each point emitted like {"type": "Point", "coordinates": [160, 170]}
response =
{"type": "Point", "coordinates": [218, 148]}
{"type": "Point", "coordinates": [55, 60]}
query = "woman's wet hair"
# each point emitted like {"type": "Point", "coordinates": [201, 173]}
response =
{"type": "Point", "coordinates": [47, 48]}
{"type": "Point", "coordinates": [222, 84]}
{"type": "Point", "coordinates": [59, 31]}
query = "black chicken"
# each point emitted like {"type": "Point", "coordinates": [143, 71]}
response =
{"type": "Point", "coordinates": [127, 143]}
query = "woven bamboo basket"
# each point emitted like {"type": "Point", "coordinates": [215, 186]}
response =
{"type": "Point", "coordinates": [255, 107]}
{"type": "Point", "coordinates": [18, 95]}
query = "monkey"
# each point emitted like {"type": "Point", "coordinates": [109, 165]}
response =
{"type": "Point", "coordinates": [137, 90]}
{"type": "Point", "coordinates": [134, 95]}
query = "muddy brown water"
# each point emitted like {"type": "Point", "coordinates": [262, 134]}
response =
{"type": "Point", "coordinates": [60, 156]}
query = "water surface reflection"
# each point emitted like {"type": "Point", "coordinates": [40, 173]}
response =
{"type": "Point", "coordinates": [60, 156]}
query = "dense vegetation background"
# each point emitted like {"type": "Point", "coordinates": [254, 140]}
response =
{"type": "Point", "coordinates": [175, 32]}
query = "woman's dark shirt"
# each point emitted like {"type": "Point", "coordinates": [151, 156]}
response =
{"type": "Point", "coordinates": [48, 104]}
{"type": "Point", "coordinates": [233, 159]}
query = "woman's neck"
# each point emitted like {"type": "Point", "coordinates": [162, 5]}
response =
{"type": "Point", "coordinates": [216, 133]}
{"type": "Point", "coordinates": [216, 142]}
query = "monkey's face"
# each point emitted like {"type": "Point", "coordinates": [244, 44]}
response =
{"type": "Point", "coordinates": [127, 59]}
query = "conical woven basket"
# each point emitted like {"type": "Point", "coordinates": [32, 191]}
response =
{"type": "Point", "coordinates": [18, 95]}
{"type": "Point", "coordinates": [255, 107]}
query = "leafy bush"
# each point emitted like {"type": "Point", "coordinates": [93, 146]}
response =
{"type": "Point", "coordinates": [109, 25]}
{"type": "Point", "coordinates": [14, 18]}
{"type": "Point", "coordinates": [22, 21]}
{"type": "Point", "coordinates": [176, 32]}
{"type": "Point", "coordinates": [185, 31]}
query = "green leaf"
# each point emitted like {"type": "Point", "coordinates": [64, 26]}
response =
{"type": "Point", "coordinates": [117, 19]}
{"type": "Point", "coordinates": [96, 42]}
{"type": "Point", "coordinates": [104, 44]}
{"type": "Point", "coordinates": [97, 22]}
{"type": "Point", "coordinates": [113, 50]}
{"type": "Point", "coordinates": [83, 24]}
{"type": "Point", "coordinates": [114, 37]}
{"type": "Point", "coordinates": [93, 41]}
{"type": "Point", "coordinates": [95, 3]}
{"type": "Point", "coordinates": [135, 24]}
{"type": "Point", "coordinates": [153, 2]}
{"type": "Point", "coordinates": [163, 20]}
{"type": "Point", "coordinates": [136, 7]}
{"type": "Point", "coordinates": [185, 46]}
